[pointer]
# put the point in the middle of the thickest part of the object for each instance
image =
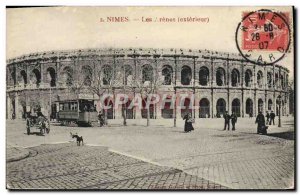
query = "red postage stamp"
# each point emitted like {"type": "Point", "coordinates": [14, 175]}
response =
{"type": "Point", "coordinates": [263, 36]}
{"type": "Point", "coordinates": [266, 31]}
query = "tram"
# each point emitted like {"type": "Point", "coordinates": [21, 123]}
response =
{"type": "Point", "coordinates": [81, 112]}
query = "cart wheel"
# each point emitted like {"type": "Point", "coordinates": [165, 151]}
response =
{"type": "Point", "coordinates": [47, 130]}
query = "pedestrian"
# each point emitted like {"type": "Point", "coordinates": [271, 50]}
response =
{"type": "Point", "coordinates": [272, 118]}
{"type": "Point", "coordinates": [100, 119]}
{"type": "Point", "coordinates": [268, 117]}
{"type": "Point", "coordinates": [233, 120]}
{"type": "Point", "coordinates": [188, 126]}
{"type": "Point", "coordinates": [226, 117]}
{"type": "Point", "coordinates": [260, 120]}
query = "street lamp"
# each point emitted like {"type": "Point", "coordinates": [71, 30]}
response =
{"type": "Point", "coordinates": [279, 111]}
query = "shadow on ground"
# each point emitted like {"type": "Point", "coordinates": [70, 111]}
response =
{"type": "Point", "coordinates": [289, 135]}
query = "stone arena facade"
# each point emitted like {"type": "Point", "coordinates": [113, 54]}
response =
{"type": "Point", "coordinates": [219, 81]}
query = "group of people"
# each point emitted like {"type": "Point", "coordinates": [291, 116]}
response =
{"type": "Point", "coordinates": [262, 124]}
{"type": "Point", "coordinates": [260, 121]}
{"type": "Point", "coordinates": [188, 125]}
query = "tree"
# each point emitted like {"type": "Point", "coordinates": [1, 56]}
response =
{"type": "Point", "coordinates": [146, 82]}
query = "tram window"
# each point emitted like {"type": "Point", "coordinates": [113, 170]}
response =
{"type": "Point", "coordinates": [72, 106]}
{"type": "Point", "coordinates": [75, 106]}
{"type": "Point", "coordinates": [61, 107]}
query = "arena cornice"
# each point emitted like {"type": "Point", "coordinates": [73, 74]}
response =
{"type": "Point", "coordinates": [57, 55]}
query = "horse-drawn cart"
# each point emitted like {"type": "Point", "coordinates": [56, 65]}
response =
{"type": "Point", "coordinates": [40, 123]}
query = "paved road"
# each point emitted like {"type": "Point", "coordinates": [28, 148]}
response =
{"type": "Point", "coordinates": [67, 166]}
{"type": "Point", "coordinates": [240, 159]}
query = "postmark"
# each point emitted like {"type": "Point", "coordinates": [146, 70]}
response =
{"type": "Point", "coordinates": [263, 37]}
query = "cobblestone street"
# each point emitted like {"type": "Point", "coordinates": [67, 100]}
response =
{"type": "Point", "coordinates": [159, 156]}
{"type": "Point", "coordinates": [66, 166]}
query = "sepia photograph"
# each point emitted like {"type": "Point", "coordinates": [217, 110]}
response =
{"type": "Point", "coordinates": [150, 98]}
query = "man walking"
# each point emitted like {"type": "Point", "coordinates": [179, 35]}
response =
{"type": "Point", "coordinates": [233, 120]}
{"type": "Point", "coordinates": [260, 120]}
{"type": "Point", "coordinates": [272, 118]}
{"type": "Point", "coordinates": [227, 121]}
{"type": "Point", "coordinates": [268, 117]}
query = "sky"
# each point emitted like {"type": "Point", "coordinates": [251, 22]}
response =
{"type": "Point", "coordinates": [61, 28]}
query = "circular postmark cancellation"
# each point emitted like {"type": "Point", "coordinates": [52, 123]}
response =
{"type": "Point", "coordinates": [263, 37]}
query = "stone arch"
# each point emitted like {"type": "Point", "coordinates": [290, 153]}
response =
{"type": "Point", "coordinates": [24, 76]}
{"type": "Point", "coordinates": [87, 72]}
{"type": "Point", "coordinates": [167, 110]}
{"type": "Point", "coordinates": [260, 105]}
{"type": "Point", "coordinates": [249, 106]}
{"type": "Point", "coordinates": [236, 107]}
{"type": "Point", "coordinates": [220, 107]}
{"type": "Point", "coordinates": [186, 107]}
{"type": "Point", "coordinates": [107, 74]}
{"type": "Point", "coordinates": [109, 111]}
{"type": "Point", "coordinates": [248, 78]}
{"type": "Point", "coordinates": [203, 76]}
{"type": "Point", "coordinates": [235, 78]}
{"type": "Point", "coordinates": [186, 75]}
{"type": "Point", "coordinates": [204, 111]}
{"type": "Point", "coordinates": [51, 75]}
{"type": "Point", "coordinates": [220, 77]}
{"type": "Point", "coordinates": [144, 109]}
{"type": "Point", "coordinates": [259, 78]}
{"type": "Point", "coordinates": [270, 104]}
{"type": "Point", "coordinates": [13, 76]}
{"type": "Point", "coordinates": [167, 72]}
{"type": "Point", "coordinates": [128, 73]}
{"type": "Point", "coordinates": [282, 81]}
{"type": "Point", "coordinates": [68, 75]}
{"type": "Point", "coordinates": [36, 77]}
{"type": "Point", "coordinates": [270, 79]}
{"type": "Point", "coordinates": [147, 73]}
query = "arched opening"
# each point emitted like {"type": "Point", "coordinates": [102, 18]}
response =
{"type": "Point", "coordinates": [51, 76]}
{"type": "Point", "coordinates": [278, 101]}
{"type": "Point", "coordinates": [13, 108]}
{"type": "Point", "coordinates": [204, 111]}
{"type": "Point", "coordinates": [185, 107]}
{"type": "Point", "coordinates": [270, 80]}
{"type": "Point", "coordinates": [236, 107]}
{"type": "Point", "coordinates": [249, 106]}
{"type": "Point", "coordinates": [248, 78]}
{"type": "Point", "coordinates": [221, 107]}
{"type": "Point", "coordinates": [259, 79]}
{"type": "Point", "coordinates": [235, 78]}
{"type": "Point", "coordinates": [260, 105]}
{"type": "Point", "coordinates": [24, 77]}
{"type": "Point", "coordinates": [220, 77]}
{"type": "Point", "coordinates": [276, 80]}
{"type": "Point", "coordinates": [270, 104]}
{"type": "Point", "coordinates": [167, 73]}
{"type": "Point", "coordinates": [186, 75]}
{"type": "Point", "coordinates": [110, 110]}
{"type": "Point", "coordinates": [107, 74]}
{"type": "Point", "coordinates": [127, 109]}
{"type": "Point", "coordinates": [68, 75]}
{"type": "Point", "coordinates": [144, 109]}
{"type": "Point", "coordinates": [147, 73]}
{"type": "Point", "coordinates": [36, 77]}
{"type": "Point", "coordinates": [167, 110]}
{"type": "Point", "coordinates": [87, 75]}
{"type": "Point", "coordinates": [13, 76]}
{"type": "Point", "coordinates": [203, 76]}
{"type": "Point", "coordinates": [127, 74]}
{"type": "Point", "coordinates": [282, 81]}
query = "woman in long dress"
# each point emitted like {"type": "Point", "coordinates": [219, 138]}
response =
{"type": "Point", "coordinates": [188, 126]}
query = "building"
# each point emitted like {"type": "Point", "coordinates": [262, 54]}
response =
{"type": "Point", "coordinates": [218, 81]}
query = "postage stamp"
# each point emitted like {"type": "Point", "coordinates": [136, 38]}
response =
{"type": "Point", "coordinates": [263, 36]}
